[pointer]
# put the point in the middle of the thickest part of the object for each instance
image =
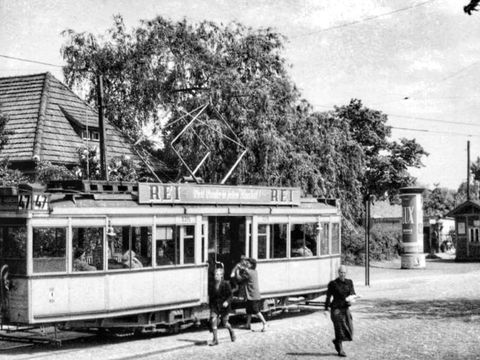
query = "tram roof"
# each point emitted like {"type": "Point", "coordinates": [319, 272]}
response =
{"type": "Point", "coordinates": [144, 198]}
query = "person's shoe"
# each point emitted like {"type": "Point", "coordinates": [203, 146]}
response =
{"type": "Point", "coordinates": [213, 343]}
{"type": "Point", "coordinates": [232, 336]}
{"type": "Point", "coordinates": [341, 353]}
{"type": "Point", "coordinates": [265, 327]}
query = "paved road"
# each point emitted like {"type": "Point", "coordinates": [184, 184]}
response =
{"type": "Point", "coordinates": [404, 314]}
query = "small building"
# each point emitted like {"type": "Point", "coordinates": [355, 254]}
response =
{"type": "Point", "coordinates": [467, 230]}
{"type": "Point", "coordinates": [49, 122]}
{"type": "Point", "coordinates": [389, 217]}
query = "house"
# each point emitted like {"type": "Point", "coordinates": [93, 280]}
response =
{"type": "Point", "coordinates": [467, 230]}
{"type": "Point", "coordinates": [50, 123]}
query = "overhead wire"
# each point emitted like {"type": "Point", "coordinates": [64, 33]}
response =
{"type": "Point", "coordinates": [435, 131]}
{"type": "Point", "coordinates": [29, 60]}
{"type": "Point", "coordinates": [369, 18]}
{"type": "Point", "coordinates": [416, 117]}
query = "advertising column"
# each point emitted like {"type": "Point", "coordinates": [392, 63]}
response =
{"type": "Point", "coordinates": [413, 256]}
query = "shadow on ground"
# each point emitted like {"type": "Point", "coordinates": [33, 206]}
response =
{"type": "Point", "coordinates": [462, 309]}
{"type": "Point", "coordinates": [198, 337]}
{"type": "Point", "coordinates": [316, 354]}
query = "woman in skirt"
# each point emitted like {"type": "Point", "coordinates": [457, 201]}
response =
{"type": "Point", "coordinates": [340, 289]}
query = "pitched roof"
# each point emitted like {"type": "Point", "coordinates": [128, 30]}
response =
{"type": "Point", "coordinates": [46, 119]}
{"type": "Point", "coordinates": [466, 207]}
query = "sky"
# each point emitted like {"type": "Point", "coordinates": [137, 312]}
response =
{"type": "Point", "coordinates": [418, 61]}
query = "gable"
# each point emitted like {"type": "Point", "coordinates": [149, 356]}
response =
{"type": "Point", "coordinates": [468, 207]}
{"type": "Point", "coordinates": [49, 122]}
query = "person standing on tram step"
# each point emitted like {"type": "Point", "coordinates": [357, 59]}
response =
{"type": "Point", "coordinates": [235, 275]}
{"type": "Point", "coordinates": [249, 278]}
{"type": "Point", "coordinates": [220, 300]}
{"type": "Point", "coordinates": [340, 289]}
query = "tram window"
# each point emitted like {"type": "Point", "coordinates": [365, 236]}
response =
{"type": "Point", "coordinates": [303, 239]}
{"type": "Point", "coordinates": [324, 240]}
{"type": "Point", "coordinates": [203, 243]}
{"type": "Point", "coordinates": [278, 241]}
{"type": "Point", "coordinates": [13, 248]}
{"type": "Point", "coordinates": [335, 238]}
{"type": "Point", "coordinates": [166, 246]}
{"type": "Point", "coordinates": [49, 254]}
{"type": "Point", "coordinates": [142, 245]}
{"type": "Point", "coordinates": [189, 245]}
{"type": "Point", "coordinates": [117, 246]}
{"type": "Point", "coordinates": [87, 247]}
{"type": "Point", "coordinates": [262, 241]}
{"type": "Point", "coordinates": [130, 247]}
{"type": "Point", "coordinates": [249, 237]}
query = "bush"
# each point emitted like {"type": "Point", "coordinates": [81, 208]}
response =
{"type": "Point", "coordinates": [384, 243]}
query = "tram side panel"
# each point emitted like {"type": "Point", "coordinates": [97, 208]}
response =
{"type": "Point", "coordinates": [295, 277]}
{"type": "Point", "coordinates": [105, 295]}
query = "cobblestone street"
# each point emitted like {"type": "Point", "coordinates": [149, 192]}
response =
{"type": "Point", "coordinates": [405, 314]}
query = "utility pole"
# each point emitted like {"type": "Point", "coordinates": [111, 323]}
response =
{"type": "Point", "coordinates": [468, 170]}
{"type": "Point", "coordinates": [101, 125]}
{"type": "Point", "coordinates": [367, 239]}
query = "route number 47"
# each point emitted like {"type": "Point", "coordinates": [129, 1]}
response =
{"type": "Point", "coordinates": [40, 202]}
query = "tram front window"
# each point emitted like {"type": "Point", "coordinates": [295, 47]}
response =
{"type": "Point", "coordinates": [87, 248]}
{"type": "Point", "coordinates": [49, 253]}
{"type": "Point", "coordinates": [13, 250]}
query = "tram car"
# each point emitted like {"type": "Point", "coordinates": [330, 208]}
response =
{"type": "Point", "coordinates": [122, 255]}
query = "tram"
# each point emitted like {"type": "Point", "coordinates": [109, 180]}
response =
{"type": "Point", "coordinates": [100, 254]}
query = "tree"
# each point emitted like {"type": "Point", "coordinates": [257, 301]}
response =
{"type": "Point", "coordinates": [4, 134]}
{"type": "Point", "coordinates": [166, 67]}
{"type": "Point", "coordinates": [471, 6]}
{"type": "Point", "coordinates": [438, 202]}
{"type": "Point", "coordinates": [475, 171]}
{"type": "Point", "coordinates": [386, 162]}
{"type": "Point", "coordinates": [162, 70]}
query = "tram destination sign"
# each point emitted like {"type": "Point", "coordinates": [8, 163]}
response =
{"type": "Point", "coordinates": [153, 193]}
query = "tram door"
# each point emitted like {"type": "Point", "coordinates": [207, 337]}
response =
{"type": "Point", "coordinates": [226, 243]}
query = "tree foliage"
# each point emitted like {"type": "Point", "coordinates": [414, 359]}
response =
{"type": "Point", "coordinates": [386, 162]}
{"type": "Point", "coordinates": [4, 134]}
{"type": "Point", "coordinates": [438, 202]}
{"type": "Point", "coordinates": [161, 70]}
